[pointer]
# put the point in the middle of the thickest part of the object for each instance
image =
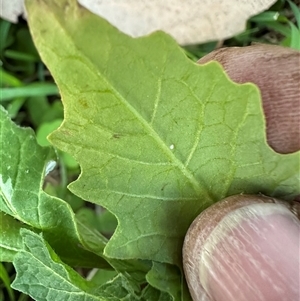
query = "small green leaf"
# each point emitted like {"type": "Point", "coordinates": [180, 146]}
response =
{"type": "Point", "coordinates": [152, 294]}
{"type": "Point", "coordinates": [48, 214]}
{"type": "Point", "coordinates": [42, 275]}
{"type": "Point", "coordinates": [104, 221]}
{"type": "Point", "coordinates": [22, 168]}
{"type": "Point", "coordinates": [120, 288]}
{"type": "Point", "coordinates": [166, 278]}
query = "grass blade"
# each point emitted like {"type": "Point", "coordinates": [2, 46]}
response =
{"type": "Point", "coordinates": [5, 278]}
{"type": "Point", "coordinates": [296, 11]}
{"type": "Point", "coordinates": [269, 16]}
{"type": "Point", "coordinates": [295, 37]}
{"type": "Point", "coordinates": [36, 89]}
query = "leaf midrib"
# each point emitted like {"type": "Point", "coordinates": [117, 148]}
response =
{"type": "Point", "coordinates": [187, 173]}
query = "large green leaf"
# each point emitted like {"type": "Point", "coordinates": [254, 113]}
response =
{"type": "Point", "coordinates": [23, 166]}
{"type": "Point", "coordinates": [158, 138]}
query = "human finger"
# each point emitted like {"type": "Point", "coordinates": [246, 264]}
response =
{"type": "Point", "coordinates": [244, 248]}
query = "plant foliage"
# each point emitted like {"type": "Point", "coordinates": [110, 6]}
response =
{"type": "Point", "coordinates": [158, 139]}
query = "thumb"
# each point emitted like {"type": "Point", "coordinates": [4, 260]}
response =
{"type": "Point", "coordinates": [244, 248]}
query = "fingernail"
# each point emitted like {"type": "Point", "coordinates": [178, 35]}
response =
{"type": "Point", "coordinates": [244, 248]}
{"type": "Point", "coordinates": [253, 254]}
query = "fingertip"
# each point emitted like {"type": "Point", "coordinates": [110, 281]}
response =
{"type": "Point", "coordinates": [244, 248]}
{"type": "Point", "coordinates": [253, 254]}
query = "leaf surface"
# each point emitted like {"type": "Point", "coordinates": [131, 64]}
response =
{"type": "Point", "coordinates": [166, 278]}
{"type": "Point", "coordinates": [158, 138]}
{"type": "Point", "coordinates": [76, 241]}
{"type": "Point", "coordinates": [10, 240]}
{"type": "Point", "coordinates": [23, 166]}
{"type": "Point", "coordinates": [42, 275]}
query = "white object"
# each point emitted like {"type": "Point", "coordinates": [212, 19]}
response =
{"type": "Point", "coordinates": [188, 21]}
